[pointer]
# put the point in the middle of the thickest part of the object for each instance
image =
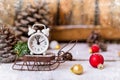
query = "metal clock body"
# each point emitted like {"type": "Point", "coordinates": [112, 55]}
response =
{"type": "Point", "coordinates": [38, 43]}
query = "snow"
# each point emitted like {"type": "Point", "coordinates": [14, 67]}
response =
{"type": "Point", "coordinates": [80, 52]}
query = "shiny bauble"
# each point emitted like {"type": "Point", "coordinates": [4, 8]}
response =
{"type": "Point", "coordinates": [96, 60]}
{"type": "Point", "coordinates": [54, 45]}
{"type": "Point", "coordinates": [68, 56]}
{"type": "Point", "coordinates": [77, 69]}
{"type": "Point", "coordinates": [94, 48]}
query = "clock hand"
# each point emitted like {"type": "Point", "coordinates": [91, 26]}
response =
{"type": "Point", "coordinates": [42, 41]}
{"type": "Point", "coordinates": [37, 39]}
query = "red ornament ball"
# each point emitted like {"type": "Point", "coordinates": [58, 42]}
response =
{"type": "Point", "coordinates": [96, 60]}
{"type": "Point", "coordinates": [94, 48]}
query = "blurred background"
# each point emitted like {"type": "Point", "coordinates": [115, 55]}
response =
{"type": "Point", "coordinates": [65, 17]}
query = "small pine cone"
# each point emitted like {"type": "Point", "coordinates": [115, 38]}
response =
{"type": "Point", "coordinates": [93, 38]}
{"type": "Point", "coordinates": [103, 46]}
{"type": "Point", "coordinates": [7, 41]}
{"type": "Point", "coordinates": [33, 14]}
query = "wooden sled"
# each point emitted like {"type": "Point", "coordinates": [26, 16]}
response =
{"type": "Point", "coordinates": [37, 63]}
{"type": "Point", "coordinates": [41, 62]}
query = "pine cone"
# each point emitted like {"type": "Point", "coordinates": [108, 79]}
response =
{"type": "Point", "coordinates": [31, 15]}
{"type": "Point", "coordinates": [103, 46]}
{"type": "Point", "coordinates": [93, 38]}
{"type": "Point", "coordinates": [7, 41]}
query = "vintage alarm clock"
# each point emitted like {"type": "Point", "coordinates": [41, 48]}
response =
{"type": "Point", "coordinates": [38, 41]}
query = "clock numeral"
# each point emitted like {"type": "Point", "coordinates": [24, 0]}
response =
{"type": "Point", "coordinates": [44, 46]}
{"type": "Point", "coordinates": [38, 49]}
{"type": "Point", "coordinates": [41, 48]}
{"type": "Point", "coordinates": [45, 43]}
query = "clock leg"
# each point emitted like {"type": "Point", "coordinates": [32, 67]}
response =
{"type": "Point", "coordinates": [31, 53]}
{"type": "Point", "coordinates": [44, 53]}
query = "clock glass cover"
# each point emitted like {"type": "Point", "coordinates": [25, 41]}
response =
{"type": "Point", "coordinates": [38, 43]}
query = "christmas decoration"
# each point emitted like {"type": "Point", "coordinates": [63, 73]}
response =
{"type": "Point", "coordinates": [7, 41]}
{"type": "Point", "coordinates": [96, 60]}
{"type": "Point", "coordinates": [67, 56]}
{"type": "Point", "coordinates": [54, 45]}
{"type": "Point", "coordinates": [21, 48]}
{"type": "Point", "coordinates": [38, 13]}
{"type": "Point", "coordinates": [38, 42]}
{"type": "Point", "coordinates": [119, 53]}
{"type": "Point", "coordinates": [77, 69]}
{"type": "Point", "coordinates": [102, 46]}
{"type": "Point", "coordinates": [94, 48]}
{"type": "Point", "coordinates": [93, 38]}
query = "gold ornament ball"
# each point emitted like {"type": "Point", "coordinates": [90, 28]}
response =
{"type": "Point", "coordinates": [57, 46]}
{"type": "Point", "coordinates": [119, 54]}
{"type": "Point", "coordinates": [90, 51]}
{"type": "Point", "coordinates": [54, 44]}
{"type": "Point", "coordinates": [77, 69]}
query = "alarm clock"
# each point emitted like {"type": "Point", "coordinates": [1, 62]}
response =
{"type": "Point", "coordinates": [38, 41]}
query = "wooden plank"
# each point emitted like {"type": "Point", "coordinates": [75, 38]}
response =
{"type": "Point", "coordinates": [115, 8]}
{"type": "Point", "coordinates": [53, 8]}
{"type": "Point", "coordinates": [7, 11]}
{"type": "Point", "coordinates": [65, 11]}
{"type": "Point", "coordinates": [105, 13]}
{"type": "Point", "coordinates": [77, 12]}
{"type": "Point", "coordinates": [81, 32]}
{"type": "Point", "coordinates": [69, 12]}
{"type": "Point", "coordinates": [88, 12]}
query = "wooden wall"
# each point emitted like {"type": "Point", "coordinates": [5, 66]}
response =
{"type": "Point", "coordinates": [76, 12]}
{"type": "Point", "coordinates": [68, 12]}
{"type": "Point", "coordinates": [81, 32]}
{"type": "Point", "coordinates": [7, 11]}
{"type": "Point", "coordinates": [9, 8]}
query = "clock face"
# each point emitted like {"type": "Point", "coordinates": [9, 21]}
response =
{"type": "Point", "coordinates": [38, 43]}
